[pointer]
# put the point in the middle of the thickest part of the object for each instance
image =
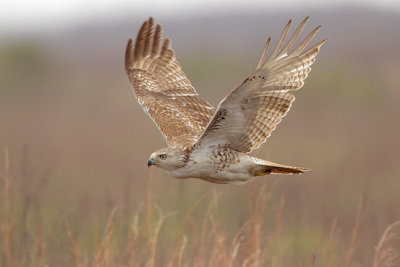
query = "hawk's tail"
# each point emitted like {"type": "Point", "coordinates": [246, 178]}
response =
{"type": "Point", "coordinates": [267, 167]}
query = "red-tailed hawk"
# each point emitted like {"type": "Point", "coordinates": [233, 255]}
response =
{"type": "Point", "coordinates": [209, 144]}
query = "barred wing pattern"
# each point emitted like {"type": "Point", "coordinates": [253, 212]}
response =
{"type": "Point", "coordinates": [246, 117]}
{"type": "Point", "coordinates": [162, 88]}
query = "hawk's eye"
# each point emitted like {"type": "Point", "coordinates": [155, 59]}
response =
{"type": "Point", "coordinates": [163, 156]}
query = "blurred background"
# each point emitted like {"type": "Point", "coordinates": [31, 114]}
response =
{"type": "Point", "coordinates": [78, 141]}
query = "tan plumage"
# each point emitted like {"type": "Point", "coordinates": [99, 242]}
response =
{"type": "Point", "coordinates": [211, 146]}
{"type": "Point", "coordinates": [162, 88]}
{"type": "Point", "coordinates": [261, 101]}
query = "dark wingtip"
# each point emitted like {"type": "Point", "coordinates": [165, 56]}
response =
{"type": "Point", "coordinates": [129, 55]}
{"type": "Point", "coordinates": [305, 20]}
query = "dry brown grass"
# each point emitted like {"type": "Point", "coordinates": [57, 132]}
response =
{"type": "Point", "coordinates": [387, 252]}
{"type": "Point", "coordinates": [199, 243]}
{"type": "Point", "coordinates": [7, 226]}
{"type": "Point", "coordinates": [353, 242]}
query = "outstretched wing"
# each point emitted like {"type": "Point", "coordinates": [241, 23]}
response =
{"type": "Point", "coordinates": [248, 115]}
{"type": "Point", "coordinates": [162, 88]}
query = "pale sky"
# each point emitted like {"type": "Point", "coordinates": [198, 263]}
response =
{"type": "Point", "coordinates": [27, 15]}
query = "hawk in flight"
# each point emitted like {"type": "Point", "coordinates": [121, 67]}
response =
{"type": "Point", "coordinates": [214, 145]}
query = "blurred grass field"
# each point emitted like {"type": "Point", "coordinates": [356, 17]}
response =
{"type": "Point", "coordinates": [76, 190]}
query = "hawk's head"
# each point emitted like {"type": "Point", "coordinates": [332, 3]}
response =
{"type": "Point", "coordinates": [165, 158]}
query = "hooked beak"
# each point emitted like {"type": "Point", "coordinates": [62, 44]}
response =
{"type": "Point", "coordinates": [149, 163]}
